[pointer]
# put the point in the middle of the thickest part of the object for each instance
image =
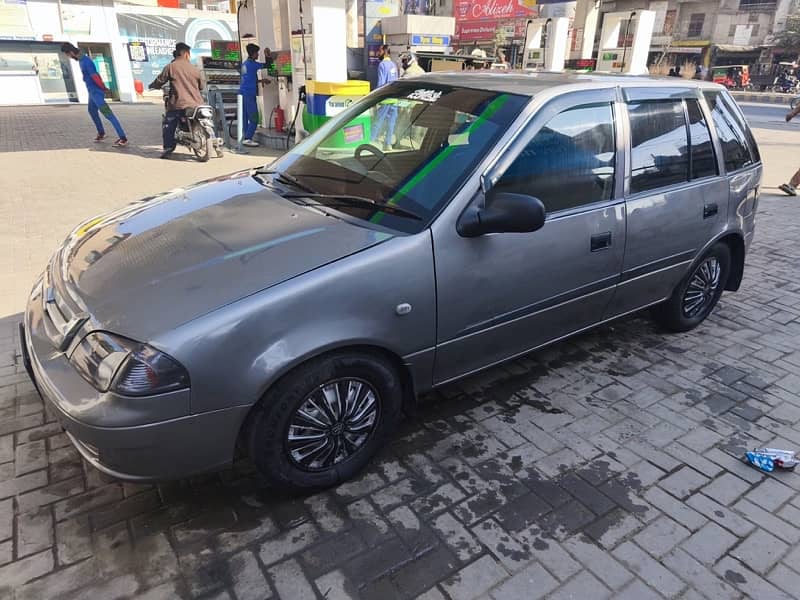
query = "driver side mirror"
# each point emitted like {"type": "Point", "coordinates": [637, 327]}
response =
{"type": "Point", "coordinates": [504, 213]}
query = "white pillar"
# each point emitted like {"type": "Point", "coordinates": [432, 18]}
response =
{"type": "Point", "coordinates": [330, 40]}
{"type": "Point", "coordinates": [553, 33]}
{"type": "Point", "coordinates": [590, 17]}
{"type": "Point", "coordinates": [635, 28]}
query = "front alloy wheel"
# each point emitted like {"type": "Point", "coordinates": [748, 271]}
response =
{"type": "Point", "coordinates": [320, 424]}
{"type": "Point", "coordinates": [333, 423]}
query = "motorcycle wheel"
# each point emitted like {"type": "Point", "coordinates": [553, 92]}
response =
{"type": "Point", "coordinates": [205, 147]}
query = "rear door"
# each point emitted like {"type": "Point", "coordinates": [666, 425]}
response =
{"type": "Point", "coordinates": [675, 197]}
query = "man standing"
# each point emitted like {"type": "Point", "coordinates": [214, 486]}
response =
{"type": "Point", "coordinates": [248, 89]}
{"type": "Point", "coordinates": [185, 84]}
{"type": "Point", "coordinates": [791, 187]}
{"type": "Point", "coordinates": [97, 95]}
{"type": "Point", "coordinates": [387, 113]}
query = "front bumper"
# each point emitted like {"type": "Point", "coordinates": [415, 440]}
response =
{"type": "Point", "coordinates": [167, 449]}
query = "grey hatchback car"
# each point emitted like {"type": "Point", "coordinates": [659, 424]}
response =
{"type": "Point", "coordinates": [439, 226]}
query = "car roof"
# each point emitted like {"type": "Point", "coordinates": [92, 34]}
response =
{"type": "Point", "coordinates": [532, 82]}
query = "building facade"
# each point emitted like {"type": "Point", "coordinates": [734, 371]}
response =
{"type": "Point", "coordinates": [129, 41]}
{"type": "Point", "coordinates": [714, 32]}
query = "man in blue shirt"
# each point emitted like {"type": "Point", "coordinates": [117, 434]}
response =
{"type": "Point", "coordinates": [97, 95]}
{"type": "Point", "coordinates": [248, 88]}
{"type": "Point", "coordinates": [387, 113]}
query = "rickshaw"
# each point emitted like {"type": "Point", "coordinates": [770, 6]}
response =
{"type": "Point", "coordinates": [733, 77]}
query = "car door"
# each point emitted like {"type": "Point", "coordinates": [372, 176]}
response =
{"type": "Point", "coordinates": [740, 157]}
{"type": "Point", "coordinates": [675, 196]}
{"type": "Point", "coordinates": [500, 295]}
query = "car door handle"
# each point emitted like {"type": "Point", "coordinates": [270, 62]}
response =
{"type": "Point", "coordinates": [709, 210]}
{"type": "Point", "coordinates": [601, 241]}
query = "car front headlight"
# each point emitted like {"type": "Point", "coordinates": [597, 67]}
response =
{"type": "Point", "coordinates": [113, 363]}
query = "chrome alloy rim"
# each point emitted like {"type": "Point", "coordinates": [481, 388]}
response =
{"type": "Point", "coordinates": [332, 423]}
{"type": "Point", "coordinates": [702, 288]}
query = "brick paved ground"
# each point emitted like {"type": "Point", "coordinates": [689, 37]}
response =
{"type": "Point", "coordinates": [603, 466]}
{"type": "Point", "coordinates": [53, 176]}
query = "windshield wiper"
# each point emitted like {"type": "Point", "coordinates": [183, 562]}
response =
{"type": "Point", "coordinates": [347, 200]}
{"type": "Point", "coordinates": [285, 177]}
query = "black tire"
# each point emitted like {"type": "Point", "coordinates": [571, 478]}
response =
{"type": "Point", "coordinates": [206, 146]}
{"type": "Point", "coordinates": [680, 312]}
{"type": "Point", "coordinates": [275, 416]}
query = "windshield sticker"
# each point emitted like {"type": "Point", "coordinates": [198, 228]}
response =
{"type": "Point", "coordinates": [353, 133]}
{"type": "Point", "coordinates": [425, 95]}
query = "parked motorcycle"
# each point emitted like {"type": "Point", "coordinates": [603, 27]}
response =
{"type": "Point", "coordinates": [196, 130]}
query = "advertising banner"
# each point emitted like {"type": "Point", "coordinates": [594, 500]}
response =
{"type": "Point", "coordinates": [159, 34]}
{"type": "Point", "coordinates": [480, 10]}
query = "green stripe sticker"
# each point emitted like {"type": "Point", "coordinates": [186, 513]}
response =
{"type": "Point", "coordinates": [493, 107]}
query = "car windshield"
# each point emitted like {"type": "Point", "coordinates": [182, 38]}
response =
{"type": "Point", "coordinates": [409, 145]}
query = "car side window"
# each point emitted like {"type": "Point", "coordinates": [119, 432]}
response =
{"type": "Point", "coordinates": [732, 137]}
{"type": "Point", "coordinates": [704, 162]}
{"type": "Point", "coordinates": [570, 162]}
{"type": "Point", "coordinates": [659, 144]}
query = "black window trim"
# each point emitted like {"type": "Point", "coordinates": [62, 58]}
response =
{"type": "Point", "coordinates": [711, 133]}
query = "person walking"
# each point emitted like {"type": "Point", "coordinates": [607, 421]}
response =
{"type": "Point", "coordinates": [387, 113]}
{"type": "Point", "coordinates": [248, 89]}
{"type": "Point", "coordinates": [790, 188]}
{"type": "Point", "coordinates": [97, 95]}
{"type": "Point", "coordinates": [185, 82]}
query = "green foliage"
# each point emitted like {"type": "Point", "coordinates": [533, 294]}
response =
{"type": "Point", "coordinates": [789, 37]}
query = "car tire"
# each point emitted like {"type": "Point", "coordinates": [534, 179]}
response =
{"type": "Point", "coordinates": [295, 427]}
{"type": "Point", "coordinates": [698, 293]}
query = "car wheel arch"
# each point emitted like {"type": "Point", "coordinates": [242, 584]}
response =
{"type": "Point", "coordinates": [735, 242]}
{"type": "Point", "coordinates": [392, 358]}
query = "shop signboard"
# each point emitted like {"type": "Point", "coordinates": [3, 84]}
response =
{"type": "Point", "coordinates": [15, 22]}
{"type": "Point", "coordinates": [430, 40]}
{"type": "Point", "coordinates": [159, 36]}
{"type": "Point", "coordinates": [480, 10]}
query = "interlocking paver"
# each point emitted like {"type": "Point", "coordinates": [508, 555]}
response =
{"type": "Point", "coordinates": [760, 551]}
{"type": "Point", "coordinates": [606, 465]}
{"type": "Point", "coordinates": [475, 579]}
{"type": "Point", "coordinates": [709, 543]}
{"type": "Point", "coordinates": [532, 582]}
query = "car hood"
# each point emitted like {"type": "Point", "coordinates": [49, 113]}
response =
{"type": "Point", "coordinates": [163, 261]}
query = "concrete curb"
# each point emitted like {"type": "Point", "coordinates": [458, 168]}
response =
{"type": "Point", "coordinates": [765, 98]}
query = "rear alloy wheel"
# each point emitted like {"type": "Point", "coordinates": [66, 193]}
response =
{"type": "Point", "coordinates": [698, 293]}
{"type": "Point", "coordinates": [321, 423]}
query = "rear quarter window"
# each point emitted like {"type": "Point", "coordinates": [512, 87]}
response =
{"type": "Point", "coordinates": [739, 149]}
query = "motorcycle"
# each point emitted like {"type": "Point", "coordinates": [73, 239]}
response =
{"type": "Point", "coordinates": [196, 130]}
{"type": "Point", "coordinates": [785, 85]}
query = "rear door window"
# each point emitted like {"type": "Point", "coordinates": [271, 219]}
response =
{"type": "Point", "coordinates": [704, 162]}
{"type": "Point", "coordinates": [659, 144]}
{"type": "Point", "coordinates": [732, 131]}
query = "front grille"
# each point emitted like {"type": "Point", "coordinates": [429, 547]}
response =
{"type": "Point", "coordinates": [61, 319]}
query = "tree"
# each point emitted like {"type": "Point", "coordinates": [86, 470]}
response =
{"type": "Point", "coordinates": [790, 36]}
